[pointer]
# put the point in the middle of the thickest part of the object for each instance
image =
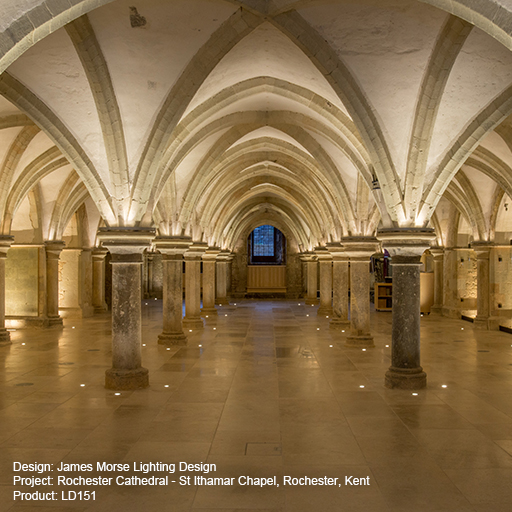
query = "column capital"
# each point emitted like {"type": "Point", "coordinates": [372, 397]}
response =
{"type": "Point", "coordinates": [99, 253]}
{"type": "Point", "coordinates": [5, 243]}
{"type": "Point", "coordinates": [337, 251]}
{"type": "Point", "coordinates": [323, 254]}
{"type": "Point", "coordinates": [308, 257]}
{"type": "Point", "coordinates": [211, 254]}
{"type": "Point", "coordinates": [172, 245]}
{"type": "Point", "coordinates": [437, 252]}
{"type": "Point", "coordinates": [224, 255]}
{"type": "Point", "coordinates": [482, 249]}
{"type": "Point", "coordinates": [360, 247]}
{"type": "Point", "coordinates": [196, 251]}
{"type": "Point", "coordinates": [126, 244]}
{"type": "Point", "coordinates": [54, 248]}
{"type": "Point", "coordinates": [406, 242]}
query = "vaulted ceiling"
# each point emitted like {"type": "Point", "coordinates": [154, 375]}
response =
{"type": "Point", "coordinates": [208, 116]}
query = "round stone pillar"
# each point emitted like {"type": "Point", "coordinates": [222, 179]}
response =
{"type": "Point", "coordinates": [53, 250]}
{"type": "Point", "coordinates": [221, 274]}
{"type": "Point", "coordinates": [98, 280]}
{"type": "Point", "coordinates": [325, 264]}
{"type": "Point", "coordinates": [311, 278]}
{"type": "Point", "coordinates": [172, 249]}
{"type": "Point", "coordinates": [5, 243]}
{"type": "Point", "coordinates": [360, 250]}
{"type": "Point", "coordinates": [483, 250]}
{"type": "Point", "coordinates": [209, 263]}
{"type": "Point", "coordinates": [193, 257]}
{"type": "Point", "coordinates": [438, 254]}
{"type": "Point", "coordinates": [339, 320]}
{"type": "Point", "coordinates": [406, 246]}
{"type": "Point", "coordinates": [126, 245]}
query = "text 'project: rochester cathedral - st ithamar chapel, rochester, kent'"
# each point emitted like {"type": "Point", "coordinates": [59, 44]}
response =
{"type": "Point", "coordinates": [169, 167]}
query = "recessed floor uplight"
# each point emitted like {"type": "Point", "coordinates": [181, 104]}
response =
{"type": "Point", "coordinates": [361, 387]}
{"type": "Point", "coordinates": [117, 394]}
{"type": "Point", "coordinates": [168, 349]}
{"type": "Point", "coordinates": [331, 346]}
{"type": "Point", "coordinates": [156, 299]}
{"type": "Point", "coordinates": [190, 330]}
{"type": "Point", "coordinates": [462, 328]}
{"type": "Point", "coordinates": [225, 315]}
{"type": "Point", "coordinates": [364, 350]}
{"type": "Point", "coordinates": [343, 331]}
{"type": "Point", "coordinates": [206, 316]}
{"type": "Point", "coordinates": [220, 305]}
{"type": "Point", "coordinates": [444, 386]}
{"type": "Point", "coordinates": [312, 305]}
{"type": "Point", "coordinates": [200, 345]}
{"type": "Point", "coordinates": [215, 328]}
{"type": "Point", "coordinates": [326, 317]}
{"type": "Point", "coordinates": [308, 315]}
{"type": "Point", "coordinates": [387, 346]}
{"type": "Point", "coordinates": [234, 304]}
{"type": "Point", "coordinates": [166, 385]}
{"type": "Point", "coordinates": [318, 328]}
{"type": "Point", "coordinates": [23, 343]}
{"type": "Point", "coordinates": [72, 327]}
{"type": "Point", "coordinates": [415, 394]}
{"type": "Point", "coordinates": [82, 385]}
{"type": "Point", "coordinates": [298, 304]}
{"type": "Point", "coordinates": [146, 303]}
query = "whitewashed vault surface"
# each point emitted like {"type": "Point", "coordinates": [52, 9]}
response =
{"type": "Point", "coordinates": [205, 117]}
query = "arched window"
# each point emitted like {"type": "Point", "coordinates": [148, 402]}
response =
{"type": "Point", "coordinates": [266, 246]}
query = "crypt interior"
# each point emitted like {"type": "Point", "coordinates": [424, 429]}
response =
{"type": "Point", "coordinates": [229, 227]}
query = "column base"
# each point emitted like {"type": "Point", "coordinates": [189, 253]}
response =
{"type": "Point", "coordinates": [222, 302]}
{"type": "Point", "coordinates": [55, 321]}
{"type": "Point", "coordinates": [100, 309]}
{"type": "Point", "coordinates": [324, 311]}
{"type": "Point", "coordinates": [339, 325]}
{"type": "Point", "coordinates": [167, 338]}
{"type": "Point", "coordinates": [209, 312]}
{"type": "Point", "coordinates": [311, 302]}
{"type": "Point", "coordinates": [124, 380]}
{"type": "Point", "coordinates": [5, 337]}
{"type": "Point", "coordinates": [405, 378]}
{"type": "Point", "coordinates": [436, 310]}
{"type": "Point", "coordinates": [360, 341]}
{"type": "Point", "coordinates": [481, 323]}
{"type": "Point", "coordinates": [193, 323]}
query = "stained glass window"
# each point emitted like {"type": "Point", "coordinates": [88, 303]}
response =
{"type": "Point", "coordinates": [263, 241]}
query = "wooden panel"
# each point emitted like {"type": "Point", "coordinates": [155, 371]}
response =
{"type": "Point", "coordinates": [266, 278]}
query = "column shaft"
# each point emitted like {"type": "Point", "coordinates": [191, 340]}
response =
{"type": "Point", "coordinates": [53, 250]}
{"type": "Point", "coordinates": [360, 334]}
{"type": "Point", "coordinates": [482, 250]}
{"type": "Point", "coordinates": [340, 295]}
{"type": "Point", "coordinates": [98, 283]}
{"type": "Point", "coordinates": [173, 302]}
{"type": "Point", "coordinates": [222, 282]}
{"type": "Point", "coordinates": [438, 255]}
{"type": "Point", "coordinates": [209, 288]}
{"type": "Point", "coordinates": [325, 264]}
{"type": "Point", "coordinates": [312, 283]}
{"type": "Point", "coordinates": [5, 243]}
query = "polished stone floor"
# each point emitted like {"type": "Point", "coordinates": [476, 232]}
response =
{"type": "Point", "coordinates": [265, 390]}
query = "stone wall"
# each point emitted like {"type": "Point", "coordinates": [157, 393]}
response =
{"type": "Point", "coordinates": [22, 282]}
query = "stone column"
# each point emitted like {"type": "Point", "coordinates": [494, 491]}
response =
{"type": "Point", "coordinates": [209, 263]}
{"type": "Point", "coordinates": [311, 278]}
{"type": "Point", "coordinates": [98, 280]}
{"type": "Point", "coordinates": [482, 250]}
{"type": "Point", "coordinates": [438, 254]}
{"type": "Point", "coordinates": [325, 264]}
{"type": "Point", "coordinates": [126, 245]}
{"type": "Point", "coordinates": [221, 267]}
{"type": "Point", "coordinates": [193, 257]}
{"type": "Point", "coordinates": [5, 243]}
{"type": "Point", "coordinates": [172, 249]}
{"type": "Point", "coordinates": [339, 320]}
{"type": "Point", "coordinates": [53, 250]}
{"type": "Point", "coordinates": [360, 250]}
{"type": "Point", "coordinates": [406, 247]}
